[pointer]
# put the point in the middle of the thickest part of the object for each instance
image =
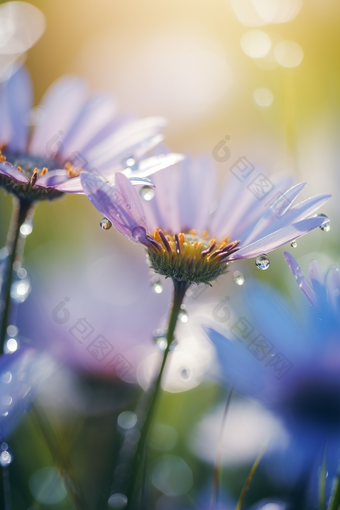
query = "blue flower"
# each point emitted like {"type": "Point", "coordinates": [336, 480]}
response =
{"type": "Point", "coordinates": [291, 363]}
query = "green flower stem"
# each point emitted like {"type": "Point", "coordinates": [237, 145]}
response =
{"type": "Point", "coordinates": [180, 289]}
{"type": "Point", "coordinates": [21, 209]}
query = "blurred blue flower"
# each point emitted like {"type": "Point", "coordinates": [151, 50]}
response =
{"type": "Point", "coordinates": [291, 363]}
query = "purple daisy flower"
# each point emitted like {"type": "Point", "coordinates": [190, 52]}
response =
{"type": "Point", "coordinates": [183, 240]}
{"type": "Point", "coordinates": [73, 132]}
{"type": "Point", "coordinates": [293, 367]}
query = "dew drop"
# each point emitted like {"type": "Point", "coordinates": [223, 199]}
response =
{"type": "Point", "coordinates": [12, 330]}
{"type": "Point", "coordinates": [20, 290]}
{"type": "Point", "coordinates": [156, 285]}
{"type": "Point", "coordinates": [6, 377]}
{"type": "Point", "coordinates": [183, 315]}
{"type": "Point", "coordinates": [127, 420]}
{"type": "Point", "coordinates": [185, 374]}
{"type": "Point", "coordinates": [262, 262]}
{"type": "Point", "coordinates": [117, 501]}
{"type": "Point", "coordinates": [11, 346]}
{"type": "Point", "coordinates": [147, 193]}
{"type": "Point", "coordinates": [238, 278]}
{"type": "Point", "coordinates": [26, 228]}
{"type": "Point", "coordinates": [129, 162]}
{"type": "Point", "coordinates": [173, 345]}
{"type": "Point", "coordinates": [3, 446]}
{"type": "Point", "coordinates": [105, 224]}
{"type": "Point", "coordinates": [325, 227]}
{"type": "Point", "coordinates": [138, 233]}
{"type": "Point", "coordinates": [160, 341]}
{"type": "Point", "coordinates": [21, 273]}
{"type": "Point", "coordinates": [5, 458]}
{"type": "Point", "coordinates": [293, 244]}
{"type": "Point", "coordinates": [6, 400]}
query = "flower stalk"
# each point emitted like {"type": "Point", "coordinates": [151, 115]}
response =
{"type": "Point", "coordinates": [21, 209]}
{"type": "Point", "coordinates": [180, 288]}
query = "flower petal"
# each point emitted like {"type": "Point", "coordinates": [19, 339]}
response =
{"type": "Point", "coordinates": [278, 238]}
{"type": "Point", "coordinates": [333, 287]}
{"type": "Point", "coordinates": [299, 212]}
{"type": "Point", "coordinates": [60, 105]}
{"type": "Point", "coordinates": [71, 186]}
{"type": "Point", "coordinates": [150, 166]}
{"type": "Point", "coordinates": [114, 204]}
{"type": "Point", "coordinates": [52, 179]}
{"type": "Point", "coordinates": [302, 281]}
{"type": "Point", "coordinates": [20, 98]}
{"type": "Point", "coordinates": [131, 199]}
{"type": "Point", "coordinates": [276, 210]}
{"type": "Point", "coordinates": [13, 173]}
{"type": "Point", "coordinates": [317, 280]}
{"type": "Point", "coordinates": [94, 116]}
{"type": "Point", "coordinates": [124, 142]}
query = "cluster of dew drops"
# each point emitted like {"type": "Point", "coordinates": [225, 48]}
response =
{"type": "Point", "coordinates": [262, 262]}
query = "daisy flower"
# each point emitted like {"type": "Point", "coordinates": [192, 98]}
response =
{"type": "Point", "coordinates": [183, 239]}
{"type": "Point", "coordinates": [73, 132]}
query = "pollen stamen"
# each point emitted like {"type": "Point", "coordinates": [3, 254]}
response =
{"type": "Point", "coordinates": [44, 171]}
{"type": "Point", "coordinates": [71, 170]}
{"type": "Point", "coordinates": [178, 245]}
{"type": "Point", "coordinates": [210, 249]}
{"type": "Point", "coordinates": [34, 177]}
{"type": "Point", "coordinates": [164, 241]}
{"type": "Point", "coordinates": [2, 157]}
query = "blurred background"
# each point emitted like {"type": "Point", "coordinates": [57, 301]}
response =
{"type": "Point", "coordinates": [263, 72]}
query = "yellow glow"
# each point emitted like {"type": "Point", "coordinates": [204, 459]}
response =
{"type": "Point", "coordinates": [277, 11]}
{"type": "Point", "coordinates": [288, 53]}
{"type": "Point", "coordinates": [256, 43]}
{"type": "Point", "coordinates": [263, 97]}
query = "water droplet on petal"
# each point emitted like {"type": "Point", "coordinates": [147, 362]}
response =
{"type": "Point", "coordinates": [183, 315]}
{"type": "Point", "coordinates": [105, 224]}
{"type": "Point", "coordinates": [26, 228]}
{"type": "Point", "coordinates": [129, 162]}
{"type": "Point", "coordinates": [238, 278]}
{"type": "Point", "coordinates": [293, 244]}
{"type": "Point", "coordinates": [262, 262]}
{"type": "Point", "coordinates": [325, 227]}
{"type": "Point", "coordinates": [138, 233]}
{"type": "Point", "coordinates": [117, 501]}
{"type": "Point", "coordinates": [147, 193]}
{"type": "Point", "coordinates": [156, 285]}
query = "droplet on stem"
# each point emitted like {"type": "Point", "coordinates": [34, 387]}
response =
{"type": "Point", "coordinates": [183, 314]}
